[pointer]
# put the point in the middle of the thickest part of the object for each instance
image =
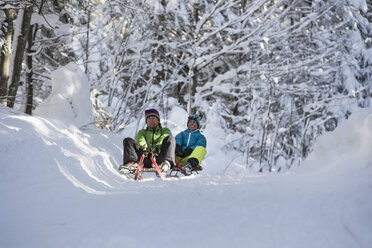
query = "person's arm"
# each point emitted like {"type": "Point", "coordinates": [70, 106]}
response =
{"type": "Point", "coordinates": [179, 151]}
{"type": "Point", "coordinates": [166, 132]}
{"type": "Point", "coordinates": [179, 138]}
{"type": "Point", "coordinates": [202, 141]}
{"type": "Point", "coordinates": [141, 140]}
{"type": "Point", "coordinates": [160, 135]}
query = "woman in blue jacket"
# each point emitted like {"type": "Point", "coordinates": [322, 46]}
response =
{"type": "Point", "coordinates": [191, 145]}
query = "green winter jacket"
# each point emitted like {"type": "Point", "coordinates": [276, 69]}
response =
{"type": "Point", "coordinates": [152, 137]}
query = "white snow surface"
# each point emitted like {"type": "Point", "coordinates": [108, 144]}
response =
{"type": "Point", "coordinates": [70, 97]}
{"type": "Point", "coordinates": [59, 187]}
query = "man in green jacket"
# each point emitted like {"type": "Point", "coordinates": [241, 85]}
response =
{"type": "Point", "coordinates": [153, 139]}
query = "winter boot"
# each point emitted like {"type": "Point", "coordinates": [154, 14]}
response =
{"type": "Point", "coordinates": [191, 163]}
{"type": "Point", "coordinates": [127, 168]}
{"type": "Point", "coordinates": [165, 166]}
{"type": "Point", "coordinates": [187, 168]}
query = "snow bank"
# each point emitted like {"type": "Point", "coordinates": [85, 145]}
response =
{"type": "Point", "coordinates": [351, 141]}
{"type": "Point", "coordinates": [70, 97]}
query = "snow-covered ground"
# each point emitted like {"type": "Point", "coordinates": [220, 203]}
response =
{"type": "Point", "coordinates": [59, 187]}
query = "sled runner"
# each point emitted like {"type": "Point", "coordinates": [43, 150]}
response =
{"type": "Point", "coordinates": [134, 172]}
{"type": "Point", "coordinates": [178, 169]}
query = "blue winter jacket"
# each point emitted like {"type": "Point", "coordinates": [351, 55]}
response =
{"type": "Point", "coordinates": [191, 139]}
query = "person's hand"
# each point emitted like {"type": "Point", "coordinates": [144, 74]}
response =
{"type": "Point", "coordinates": [144, 149]}
{"type": "Point", "coordinates": [154, 151]}
{"type": "Point", "coordinates": [179, 152]}
{"type": "Point", "coordinates": [187, 151]}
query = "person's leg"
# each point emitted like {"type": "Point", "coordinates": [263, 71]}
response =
{"type": "Point", "coordinates": [198, 153]}
{"type": "Point", "coordinates": [194, 160]}
{"type": "Point", "coordinates": [197, 156]}
{"type": "Point", "coordinates": [168, 148]}
{"type": "Point", "coordinates": [130, 151]}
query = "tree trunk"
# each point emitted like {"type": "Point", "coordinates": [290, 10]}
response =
{"type": "Point", "coordinates": [6, 54]}
{"type": "Point", "coordinates": [87, 41]}
{"type": "Point", "coordinates": [192, 91]}
{"type": "Point", "coordinates": [193, 70]}
{"type": "Point", "coordinates": [29, 83]}
{"type": "Point", "coordinates": [19, 53]}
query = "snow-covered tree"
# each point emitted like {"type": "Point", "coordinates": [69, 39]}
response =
{"type": "Point", "coordinates": [276, 68]}
{"type": "Point", "coordinates": [279, 72]}
{"type": "Point", "coordinates": [44, 46]}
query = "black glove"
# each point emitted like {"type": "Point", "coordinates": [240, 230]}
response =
{"type": "Point", "coordinates": [187, 151]}
{"type": "Point", "coordinates": [154, 151]}
{"type": "Point", "coordinates": [179, 151]}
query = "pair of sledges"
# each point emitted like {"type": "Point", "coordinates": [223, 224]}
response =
{"type": "Point", "coordinates": [136, 172]}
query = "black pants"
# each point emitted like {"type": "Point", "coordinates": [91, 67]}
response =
{"type": "Point", "coordinates": [133, 153]}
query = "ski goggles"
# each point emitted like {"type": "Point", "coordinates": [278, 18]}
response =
{"type": "Point", "coordinates": [193, 117]}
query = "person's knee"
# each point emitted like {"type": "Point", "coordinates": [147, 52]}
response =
{"type": "Point", "coordinates": [128, 140]}
{"type": "Point", "coordinates": [199, 153]}
{"type": "Point", "coordinates": [169, 139]}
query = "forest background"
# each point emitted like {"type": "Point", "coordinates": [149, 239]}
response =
{"type": "Point", "coordinates": [277, 72]}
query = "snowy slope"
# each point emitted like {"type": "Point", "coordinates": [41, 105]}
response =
{"type": "Point", "coordinates": [59, 187]}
